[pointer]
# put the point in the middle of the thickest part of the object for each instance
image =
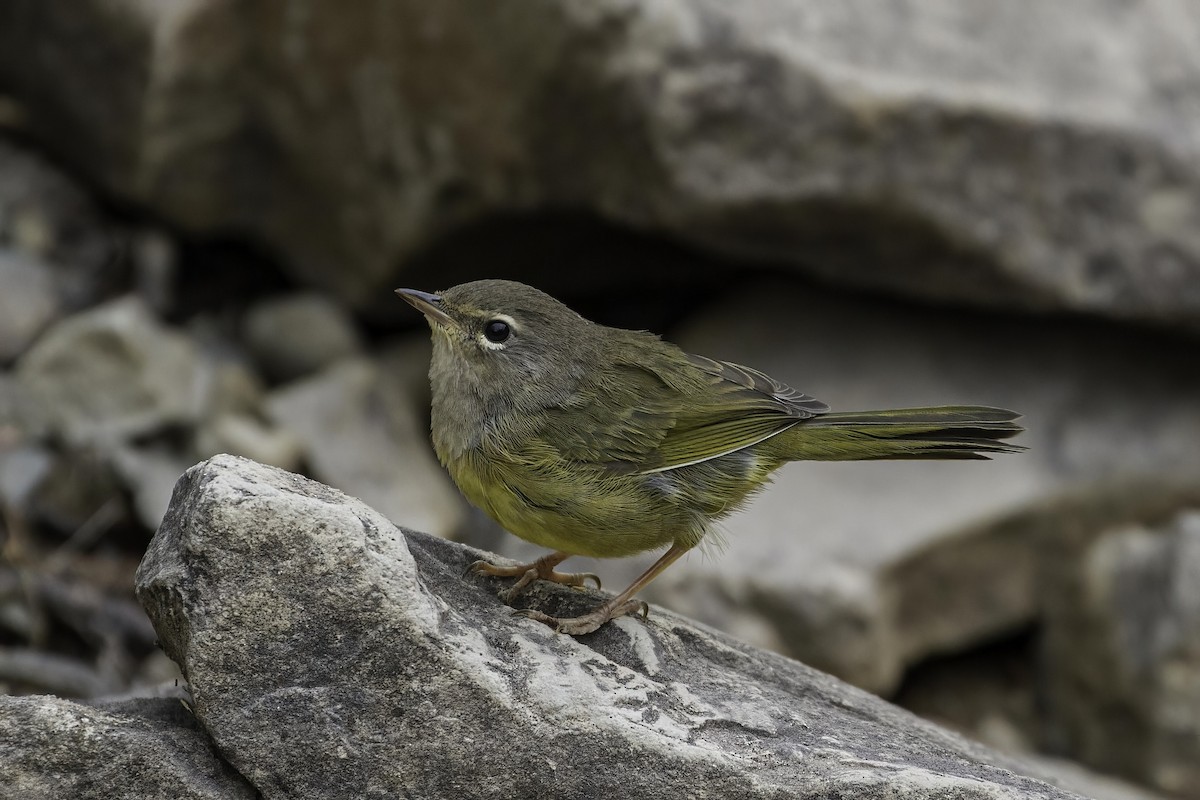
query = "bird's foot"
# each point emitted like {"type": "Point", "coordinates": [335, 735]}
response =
{"type": "Point", "coordinates": [526, 574]}
{"type": "Point", "coordinates": [578, 626]}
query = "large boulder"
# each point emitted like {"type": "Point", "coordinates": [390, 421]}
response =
{"type": "Point", "coordinates": [1023, 153]}
{"type": "Point", "coordinates": [329, 654]}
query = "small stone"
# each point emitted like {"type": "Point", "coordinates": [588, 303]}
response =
{"type": "Point", "coordinates": [149, 472]}
{"type": "Point", "coordinates": [28, 302]}
{"type": "Point", "coordinates": [249, 436]}
{"type": "Point", "coordinates": [22, 469]}
{"type": "Point", "coordinates": [21, 418]}
{"type": "Point", "coordinates": [80, 484]}
{"type": "Point", "coordinates": [112, 373]}
{"type": "Point", "coordinates": [360, 433]}
{"type": "Point", "coordinates": [299, 334]}
{"type": "Point", "coordinates": [1123, 654]}
{"type": "Point", "coordinates": [229, 386]}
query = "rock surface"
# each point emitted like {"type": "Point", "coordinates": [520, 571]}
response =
{"type": "Point", "coordinates": [1122, 652]}
{"type": "Point", "coordinates": [147, 748]}
{"type": "Point", "coordinates": [299, 334]}
{"type": "Point", "coordinates": [360, 432]}
{"type": "Point", "coordinates": [1026, 153]}
{"type": "Point", "coordinates": [329, 654]}
{"type": "Point", "coordinates": [112, 373]}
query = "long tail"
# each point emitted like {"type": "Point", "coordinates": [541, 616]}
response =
{"type": "Point", "coordinates": [949, 432]}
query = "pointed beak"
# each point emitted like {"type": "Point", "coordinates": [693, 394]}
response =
{"type": "Point", "coordinates": [428, 304]}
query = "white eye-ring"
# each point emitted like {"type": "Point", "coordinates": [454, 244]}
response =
{"type": "Point", "coordinates": [496, 331]}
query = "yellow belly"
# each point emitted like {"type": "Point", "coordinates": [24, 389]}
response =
{"type": "Point", "coordinates": [584, 513]}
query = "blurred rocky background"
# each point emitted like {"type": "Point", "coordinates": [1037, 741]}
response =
{"type": "Point", "coordinates": [205, 205]}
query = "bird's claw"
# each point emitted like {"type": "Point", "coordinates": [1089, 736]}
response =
{"type": "Point", "coordinates": [526, 574]}
{"type": "Point", "coordinates": [476, 568]}
{"type": "Point", "coordinates": [584, 577]}
{"type": "Point", "coordinates": [578, 626]}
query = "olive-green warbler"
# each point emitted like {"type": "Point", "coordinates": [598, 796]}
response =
{"type": "Point", "coordinates": [605, 442]}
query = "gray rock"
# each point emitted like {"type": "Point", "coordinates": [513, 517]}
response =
{"type": "Point", "coordinates": [360, 433]}
{"type": "Point", "coordinates": [149, 472]}
{"type": "Point", "coordinates": [227, 384]}
{"type": "Point", "coordinates": [247, 435]}
{"type": "Point", "coordinates": [21, 417]}
{"type": "Point", "coordinates": [331, 655]}
{"type": "Point", "coordinates": [23, 468]}
{"type": "Point", "coordinates": [295, 335]}
{"type": "Point", "coordinates": [55, 748]}
{"type": "Point", "coordinates": [79, 489]}
{"type": "Point", "coordinates": [113, 372]}
{"type": "Point", "coordinates": [28, 302]}
{"type": "Point", "coordinates": [1123, 654]}
{"type": "Point", "coordinates": [1026, 153]}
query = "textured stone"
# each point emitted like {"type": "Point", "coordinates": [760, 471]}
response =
{"type": "Point", "coordinates": [1122, 654]}
{"type": "Point", "coordinates": [54, 748]}
{"type": "Point", "coordinates": [1022, 153]}
{"type": "Point", "coordinates": [330, 654]}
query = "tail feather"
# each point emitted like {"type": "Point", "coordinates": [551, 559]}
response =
{"type": "Point", "coordinates": [944, 432]}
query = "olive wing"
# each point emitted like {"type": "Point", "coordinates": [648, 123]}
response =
{"type": "Point", "coordinates": [660, 414]}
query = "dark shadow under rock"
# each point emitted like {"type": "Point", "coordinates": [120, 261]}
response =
{"type": "Point", "coordinates": [331, 655]}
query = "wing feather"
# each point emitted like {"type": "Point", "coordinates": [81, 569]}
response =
{"type": "Point", "coordinates": [656, 411]}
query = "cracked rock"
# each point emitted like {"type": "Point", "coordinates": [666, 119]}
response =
{"type": "Point", "coordinates": [330, 654]}
{"type": "Point", "coordinates": [55, 748]}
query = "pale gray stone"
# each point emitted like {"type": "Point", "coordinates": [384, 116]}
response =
{"type": "Point", "coordinates": [147, 748]}
{"type": "Point", "coordinates": [331, 654]}
{"type": "Point", "coordinates": [23, 467]}
{"type": "Point", "coordinates": [1123, 653]}
{"type": "Point", "coordinates": [360, 432]}
{"type": "Point", "coordinates": [21, 417]}
{"type": "Point", "coordinates": [296, 335]}
{"type": "Point", "coordinates": [149, 472]}
{"type": "Point", "coordinates": [113, 372]}
{"type": "Point", "coordinates": [28, 302]}
{"type": "Point", "coordinates": [247, 435]}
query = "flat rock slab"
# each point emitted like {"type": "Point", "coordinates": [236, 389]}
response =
{"type": "Point", "coordinates": [51, 748]}
{"type": "Point", "coordinates": [331, 655]}
{"type": "Point", "coordinates": [1025, 153]}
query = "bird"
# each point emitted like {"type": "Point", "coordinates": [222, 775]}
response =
{"type": "Point", "coordinates": [598, 441]}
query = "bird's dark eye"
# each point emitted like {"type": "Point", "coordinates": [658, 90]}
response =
{"type": "Point", "coordinates": [497, 331]}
